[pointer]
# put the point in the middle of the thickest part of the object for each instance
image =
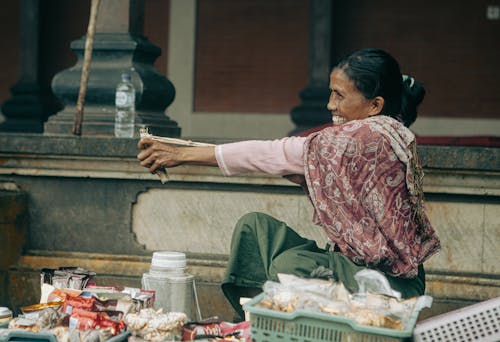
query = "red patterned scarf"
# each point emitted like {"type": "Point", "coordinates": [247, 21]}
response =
{"type": "Point", "coordinates": [365, 183]}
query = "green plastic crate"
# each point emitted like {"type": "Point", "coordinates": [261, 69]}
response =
{"type": "Point", "coordinates": [304, 326]}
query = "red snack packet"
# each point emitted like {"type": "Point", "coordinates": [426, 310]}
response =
{"type": "Point", "coordinates": [77, 302]}
{"type": "Point", "coordinates": [87, 320]}
{"type": "Point", "coordinates": [209, 327]}
{"type": "Point", "coordinates": [215, 328]}
{"type": "Point", "coordinates": [59, 295]}
{"type": "Point", "coordinates": [116, 326]}
{"type": "Point", "coordinates": [83, 320]}
{"type": "Point", "coordinates": [240, 330]}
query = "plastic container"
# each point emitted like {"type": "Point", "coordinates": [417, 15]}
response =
{"type": "Point", "coordinates": [20, 335]}
{"type": "Point", "coordinates": [477, 322]}
{"type": "Point", "coordinates": [305, 326]}
{"type": "Point", "coordinates": [175, 289]}
{"type": "Point", "coordinates": [5, 316]}
{"type": "Point", "coordinates": [125, 107]}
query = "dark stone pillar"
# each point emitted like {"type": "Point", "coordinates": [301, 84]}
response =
{"type": "Point", "coordinates": [13, 228]}
{"type": "Point", "coordinates": [118, 46]}
{"type": "Point", "coordinates": [312, 111]}
{"type": "Point", "coordinates": [31, 102]}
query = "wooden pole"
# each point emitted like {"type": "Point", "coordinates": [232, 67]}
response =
{"type": "Point", "coordinates": [77, 124]}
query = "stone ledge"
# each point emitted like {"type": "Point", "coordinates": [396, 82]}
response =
{"type": "Point", "coordinates": [467, 286]}
{"type": "Point", "coordinates": [449, 169]}
{"type": "Point", "coordinates": [452, 181]}
{"type": "Point", "coordinates": [432, 156]}
{"type": "Point", "coordinates": [206, 268]}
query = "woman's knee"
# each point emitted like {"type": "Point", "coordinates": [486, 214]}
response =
{"type": "Point", "coordinates": [251, 221]}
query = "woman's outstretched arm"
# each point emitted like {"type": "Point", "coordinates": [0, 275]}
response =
{"type": "Point", "coordinates": [278, 157]}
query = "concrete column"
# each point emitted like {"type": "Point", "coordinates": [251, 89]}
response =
{"type": "Point", "coordinates": [31, 102]}
{"type": "Point", "coordinates": [181, 61]}
{"type": "Point", "coordinates": [118, 46]}
{"type": "Point", "coordinates": [312, 112]}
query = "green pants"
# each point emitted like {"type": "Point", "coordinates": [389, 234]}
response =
{"type": "Point", "coordinates": [262, 247]}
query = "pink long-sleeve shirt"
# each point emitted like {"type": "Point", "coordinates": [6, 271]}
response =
{"type": "Point", "coordinates": [278, 157]}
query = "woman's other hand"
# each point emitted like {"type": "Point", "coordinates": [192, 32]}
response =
{"type": "Point", "coordinates": [156, 155]}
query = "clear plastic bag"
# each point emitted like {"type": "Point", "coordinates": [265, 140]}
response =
{"type": "Point", "coordinates": [375, 304]}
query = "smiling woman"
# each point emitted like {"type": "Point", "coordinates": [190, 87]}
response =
{"type": "Point", "coordinates": [347, 103]}
{"type": "Point", "coordinates": [363, 177]}
{"type": "Point", "coordinates": [372, 82]}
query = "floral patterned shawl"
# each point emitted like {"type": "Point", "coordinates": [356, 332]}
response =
{"type": "Point", "coordinates": [365, 183]}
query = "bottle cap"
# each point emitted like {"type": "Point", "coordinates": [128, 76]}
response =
{"type": "Point", "coordinates": [169, 259]}
{"type": "Point", "coordinates": [126, 77]}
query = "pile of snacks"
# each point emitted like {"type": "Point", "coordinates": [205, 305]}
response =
{"type": "Point", "coordinates": [372, 305]}
{"type": "Point", "coordinates": [151, 325]}
{"type": "Point", "coordinates": [73, 308]}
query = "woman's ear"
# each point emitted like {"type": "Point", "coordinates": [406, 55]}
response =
{"type": "Point", "coordinates": [376, 106]}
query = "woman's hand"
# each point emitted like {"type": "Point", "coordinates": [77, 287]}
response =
{"type": "Point", "coordinates": [156, 155]}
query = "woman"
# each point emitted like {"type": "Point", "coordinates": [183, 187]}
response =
{"type": "Point", "coordinates": [362, 175]}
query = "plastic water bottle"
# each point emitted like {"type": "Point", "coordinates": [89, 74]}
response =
{"type": "Point", "coordinates": [125, 108]}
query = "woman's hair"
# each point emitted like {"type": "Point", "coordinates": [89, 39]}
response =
{"type": "Point", "coordinates": [374, 72]}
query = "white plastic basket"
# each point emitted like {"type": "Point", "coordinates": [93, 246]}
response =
{"type": "Point", "coordinates": [477, 322]}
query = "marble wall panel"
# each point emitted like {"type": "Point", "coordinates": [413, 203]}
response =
{"type": "Point", "coordinates": [460, 228]}
{"type": "Point", "coordinates": [202, 221]}
{"type": "Point", "coordinates": [491, 253]}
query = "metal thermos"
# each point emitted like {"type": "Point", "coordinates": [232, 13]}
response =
{"type": "Point", "coordinates": [175, 289]}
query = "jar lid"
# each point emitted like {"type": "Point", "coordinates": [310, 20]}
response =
{"type": "Point", "coordinates": [169, 259]}
{"type": "Point", "coordinates": [5, 312]}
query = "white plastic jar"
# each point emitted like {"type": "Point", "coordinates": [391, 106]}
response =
{"type": "Point", "coordinates": [174, 288]}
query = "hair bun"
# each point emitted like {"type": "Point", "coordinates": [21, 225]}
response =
{"type": "Point", "coordinates": [412, 96]}
{"type": "Point", "coordinates": [408, 80]}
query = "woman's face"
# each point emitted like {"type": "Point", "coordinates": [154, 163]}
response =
{"type": "Point", "coordinates": [346, 102]}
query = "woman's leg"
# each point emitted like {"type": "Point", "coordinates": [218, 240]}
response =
{"type": "Point", "coordinates": [344, 270]}
{"type": "Point", "coordinates": [262, 247]}
{"type": "Point", "coordinates": [409, 287]}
